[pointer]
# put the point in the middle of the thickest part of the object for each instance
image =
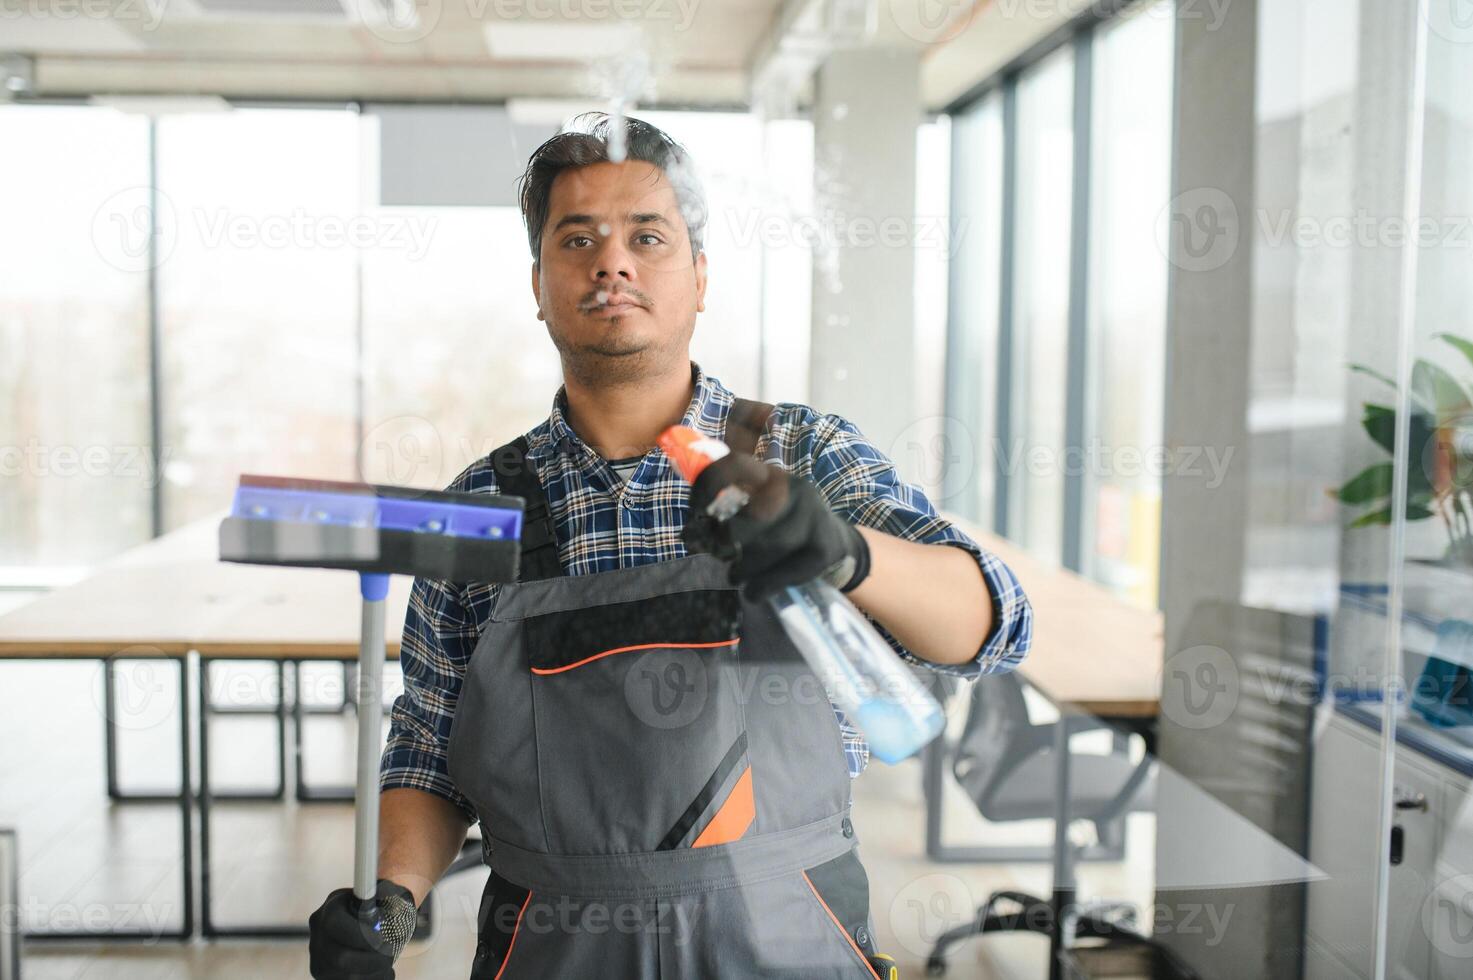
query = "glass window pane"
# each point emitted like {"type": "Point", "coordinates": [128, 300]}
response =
{"type": "Point", "coordinates": [76, 472]}
{"type": "Point", "coordinates": [976, 230]}
{"type": "Point", "coordinates": [456, 361]}
{"type": "Point", "coordinates": [258, 300]}
{"type": "Point", "coordinates": [785, 199]}
{"type": "Point", "coordinates": [1430, 912]}
{"type": "Point", "coordinates": [1040, 328]}
{"type": "Point", "coordinates": [1131, 178]}
{"type": "Point", "coordinates": [727, 150]}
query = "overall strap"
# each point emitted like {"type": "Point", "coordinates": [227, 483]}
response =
{"type": "Point", "coordinates": [516, 477]}
{"type": "Point", "coordinates": [745, 423]}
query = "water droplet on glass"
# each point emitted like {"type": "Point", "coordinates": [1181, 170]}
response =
{"type": "Point", "coordinates": [617, 151]}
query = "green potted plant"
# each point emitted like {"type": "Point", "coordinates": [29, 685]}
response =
{"type": "Point", "coordinates": [1440, 474]}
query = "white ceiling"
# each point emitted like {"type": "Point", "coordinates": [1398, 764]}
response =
{"type": "Point", "coordinates": [694, 51]}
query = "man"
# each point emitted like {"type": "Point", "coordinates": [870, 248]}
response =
{"type": "Point", "coordinates": [657, 797]}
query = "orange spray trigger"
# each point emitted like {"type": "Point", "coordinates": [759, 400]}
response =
{"type": "Point", "coordinates": [690, 450]}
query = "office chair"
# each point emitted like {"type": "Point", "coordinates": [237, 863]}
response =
{"type": "Point", "coordinates": [1005, 762]}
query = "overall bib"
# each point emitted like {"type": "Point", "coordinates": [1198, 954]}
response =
{"type": "Point", "coordinates": [659, 777]}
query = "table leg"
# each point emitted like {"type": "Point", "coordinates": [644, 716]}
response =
{"type": "Point", "coordinates": [110, 742]}
{"type": "Point", "coordinates": [207, 708]}
{"type": "Point", "coordinates": [305, 793]}
{"type": "Point", "coordinates": [184, 798]}
{"type": "Point", "coordinates": [1063, 886]}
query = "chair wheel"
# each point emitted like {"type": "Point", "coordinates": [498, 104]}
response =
{"type": "Point", "coordinates": [935, 966]}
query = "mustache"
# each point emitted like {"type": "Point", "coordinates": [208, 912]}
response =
{"type": "Point", "coordinates": [599, 297]}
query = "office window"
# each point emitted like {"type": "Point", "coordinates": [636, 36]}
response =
{"type": "Point", "coordinates": [457, 362]}
{"type": "Point", "coordinates": [787, 259]}
{"type": "Point", "coordinates": [1130, 178]}
{"type": "Point", "coordinates": [975, 281]}
{"type": "Point", "coordinates": [75, 449]}
{"type": "Point", "coordinates": [258, 300]}
{"type": "Point", "coordinates": [1033, 458]}
{"type": "Point", "coordinates": [727, 150]}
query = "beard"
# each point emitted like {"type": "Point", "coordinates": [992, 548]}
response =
{"type": "Point", "coordinates": [614, 360]}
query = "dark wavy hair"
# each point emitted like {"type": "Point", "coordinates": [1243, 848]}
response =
{"type": "Point", "coordinates": [587, 143]}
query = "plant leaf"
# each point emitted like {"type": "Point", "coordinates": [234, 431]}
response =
{"type": "Point", "coordinates": [1463, 346]}
{"type": "Point", "coordinates": [1435, 388]}
{"type": "Point", "coordinates": [1382, 516]}
{"type": "Point", "coordinates": [1380, 424]}
{"type": "Point", "coordinates": [1371, 483]}
{"type": "Point", "coordinates": [1371, 372]}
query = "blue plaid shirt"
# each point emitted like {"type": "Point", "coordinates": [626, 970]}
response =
{"type": "Point", "coordinates": [606, 523]}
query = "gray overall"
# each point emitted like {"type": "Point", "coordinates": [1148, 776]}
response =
{"type": "Point", "coordinates": [660, 779]}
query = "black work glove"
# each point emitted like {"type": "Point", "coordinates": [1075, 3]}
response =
{"type": "Point", "coordinates": [349, 942]}
{"type": "Point", "coordinates": [784, 535]}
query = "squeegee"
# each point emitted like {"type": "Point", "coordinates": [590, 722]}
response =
{"type": "Point", "coordinates": [376, 531]}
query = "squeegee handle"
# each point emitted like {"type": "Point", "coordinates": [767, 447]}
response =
{"type": "Point", "coordinates": [371, 653]}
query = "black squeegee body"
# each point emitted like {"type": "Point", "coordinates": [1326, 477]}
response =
{"type": "Point", "coordinates": [374, 529]}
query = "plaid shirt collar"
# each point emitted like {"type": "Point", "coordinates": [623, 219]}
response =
{"type": "Point", "coordinates": [706, 413]}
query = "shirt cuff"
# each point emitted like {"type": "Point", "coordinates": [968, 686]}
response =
{"type": "Point", "coordinates": [411, 763]}
{"type": "Point", "coordinates": [1008, 641]}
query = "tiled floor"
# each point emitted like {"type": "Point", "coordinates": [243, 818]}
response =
{"type": "Point", "coordinates": [86, 861]}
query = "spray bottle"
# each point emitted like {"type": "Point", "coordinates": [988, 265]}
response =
{"type": "Point", "coordinates": [860, 671]}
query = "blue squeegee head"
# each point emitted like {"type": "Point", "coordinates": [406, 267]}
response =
{"type": "Point", "coordinates": [365, 527]}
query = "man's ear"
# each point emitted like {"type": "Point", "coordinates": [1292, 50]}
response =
{"type": "Point", "coordinates": [701, 281]}
{"type": "Point", "coordinates": [537, 287]}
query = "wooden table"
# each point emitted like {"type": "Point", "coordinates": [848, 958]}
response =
{"type": "Point", "coordinates": [172, 597]}
{"type": "Point", "coordinates": [1092, 651]}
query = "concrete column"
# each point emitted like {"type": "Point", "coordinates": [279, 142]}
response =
{"type": "Point", "coordinates": [1205, 515]}
{"type": "Point", "coordinates": [862, 363]}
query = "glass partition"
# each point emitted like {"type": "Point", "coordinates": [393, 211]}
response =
{"type": "Point", "coordinates": [77, 466]}
{"type": "Point", "coordinates": [1430, 902]}
{"type": "Point", "coordinates": [1040, 322]}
